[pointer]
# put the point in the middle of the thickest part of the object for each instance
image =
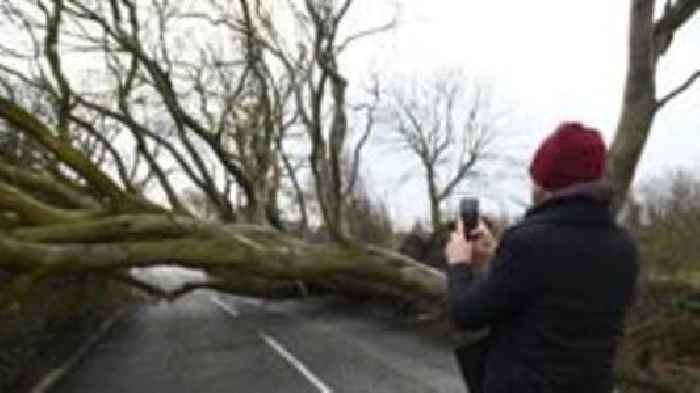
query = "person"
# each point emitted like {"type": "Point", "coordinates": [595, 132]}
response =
{"type": "Point", "coordinates": [558, 282]}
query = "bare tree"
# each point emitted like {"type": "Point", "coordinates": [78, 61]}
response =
{"type": "Point", "coordinates": [196, 105]}
{"type": "Point", "coordinates": [649, 40]}
{"type": "Point", "coordinates": [201, 110]}
{"type": "Point", "coordinates": [312, 79]}
{"type": "Point", "coordinates": [449, 129]}
{"type": "Point", "coordinates": [320, 91]}
{"type": "Point", "coordinates": [292, 170]}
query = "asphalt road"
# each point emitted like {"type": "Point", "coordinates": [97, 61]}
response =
{"type": "Point", "coordinates": [209, 343]}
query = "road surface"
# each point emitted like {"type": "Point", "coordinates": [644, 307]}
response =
{"type": "Point", "coordinates": [211, 343]}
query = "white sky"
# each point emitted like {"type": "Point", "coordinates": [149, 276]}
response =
{"type": "Point", "coordinates": [547, 60]}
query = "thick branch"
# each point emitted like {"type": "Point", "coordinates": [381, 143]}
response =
{"type": "Point", "coordinates": [30, 210]}
{"type": "Point", "coordinates": [253, 251]}
{"type": "Point", "coordinates": [25, 122]}
{"type": "Point", "coordinates": [675, 15]}
{"type": "Point", "coordinates": [142, 227]}
{"type": "Point", "coordinates": [41, 184]}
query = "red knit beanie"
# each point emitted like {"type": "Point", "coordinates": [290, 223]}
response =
{"type": "Point", "coordinates": [572, 154]}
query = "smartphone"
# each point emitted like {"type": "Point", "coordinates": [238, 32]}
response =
{"type": "Point", "coordinates": [469, 214]}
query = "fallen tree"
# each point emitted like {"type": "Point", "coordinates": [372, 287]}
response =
{"type": "Point", "coordinates": [193, 110]}
{"type": "Point", "coordinates": [66, 213]}
{"type": "Point", "coordinates": [57, 229]}
{"type": "Point", "coordinates": [72, 216]}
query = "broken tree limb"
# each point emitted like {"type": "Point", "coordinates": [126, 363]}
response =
{"type": "Point", "coordinates": [252, 260]}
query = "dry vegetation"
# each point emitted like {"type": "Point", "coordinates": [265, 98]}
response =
{"type": "Point", "coordinates": [60, 314]}
{"type": "Point", "coordinates": [663, 338]}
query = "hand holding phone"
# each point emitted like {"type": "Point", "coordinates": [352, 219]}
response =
{"type": "Point", "coordinates": [471, 240]}
{"type": "Point", "coordinates": [469, 214]}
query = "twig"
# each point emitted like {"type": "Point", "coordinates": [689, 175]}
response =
{"type": "Point", "coordinates": [678, 90]}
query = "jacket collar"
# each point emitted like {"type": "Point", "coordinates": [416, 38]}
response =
{"type": "Point", "coordinates": [583, 203]}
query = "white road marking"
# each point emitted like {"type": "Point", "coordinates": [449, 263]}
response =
{"type": "Point", "coordinates": [55, 376]}
{"type": "Point", "coordinates": [251, 302]}
{"type": "Point", "coordinates": [281, 350]}
{"type": "Point", "coordinates": [230, 309]}
{"type": "Point", "coordinates": [318, 384]}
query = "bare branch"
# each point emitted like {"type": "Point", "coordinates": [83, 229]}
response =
{"type": "Point", "coordinates": [51, 44]}
{"type": "Point", "coordinates": [370, 110]}
{"type": "Point", "coordinates": [427, 121]}
{"type": "Point", "coordinates": [25, 122]}
{"type": "Point", "coordinates": [675, 15]}
{"type": "Point", "coordinates": [366, 33]}
{"type": "Point", "coordinates": [116, 157]}
{"type": "Point", "coordinates": [678, 90]}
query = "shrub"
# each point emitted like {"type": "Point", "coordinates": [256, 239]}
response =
{"type": "Point", "coordinates": [669, 226]}
{"type": "Point", "coordinates": [50, 325]}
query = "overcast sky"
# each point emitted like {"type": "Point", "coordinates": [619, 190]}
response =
{"type": "Point", "coordinates": [546, 60]}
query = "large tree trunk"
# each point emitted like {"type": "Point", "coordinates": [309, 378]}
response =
{"type": "Point", "coordinates": [108, 245]}
{"type": "Point", "coordinates": [435, 217]}
{"type": "Point", "coordinates": [649, 40]}
{"type": "Point", "coordinates": [639, 101]}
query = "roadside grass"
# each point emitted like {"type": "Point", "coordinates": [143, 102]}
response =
{"type": "Point", "coordinates": [51, 324]}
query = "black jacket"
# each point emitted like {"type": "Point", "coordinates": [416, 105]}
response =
{"type": "Point", "coordinates": [554, 299]}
